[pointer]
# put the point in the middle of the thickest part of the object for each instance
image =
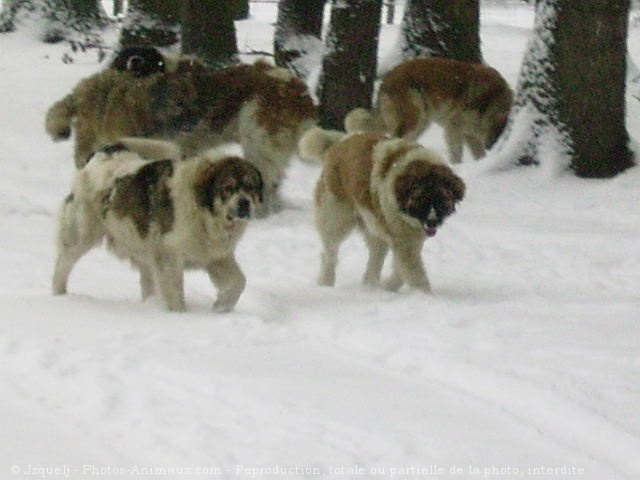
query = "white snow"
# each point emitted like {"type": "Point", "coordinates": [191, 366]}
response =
{"type": "Point", "coordinates": [523, 363]}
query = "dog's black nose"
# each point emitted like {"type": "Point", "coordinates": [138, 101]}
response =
{"type": "Point", "coordinates": [244, 208]}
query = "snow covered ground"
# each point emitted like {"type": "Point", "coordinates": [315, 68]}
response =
{"type": "Point", "coordinates": [524, 363]}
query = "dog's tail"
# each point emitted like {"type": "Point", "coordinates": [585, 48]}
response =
{"type": "Point", "coordinates": [316, 141]}
{"type": "Point", "coordinates": [58, 119]}
{"type": "Point", "coordinates": [363, 120]}
{"type": "Point", "coordinates": [152, 149]}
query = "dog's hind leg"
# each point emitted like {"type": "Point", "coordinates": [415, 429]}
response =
{"type": "Point", "coordinates": [455, 141]}
{"type": "Point", "coordinates": [334, 222]}
{"type": "Point", "coordinates": [228, 278]}
{"type": "Point", "coordinates": [378, 249]}
{"type": "Point", "coordinates": [147, 286]}
{"type": "Point", "coordinates": [78, 232]}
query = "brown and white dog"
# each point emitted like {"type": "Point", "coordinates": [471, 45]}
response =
{"type": "Point", "coordinates": [397, 192]}
{"type": "Point", "coordinates": [165, 216]}
{"type": "Point", "coordinates": [263, 108]}
{"type": "Point", "coordinates": [471, 101]}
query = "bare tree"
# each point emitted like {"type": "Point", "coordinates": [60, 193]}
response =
{"type": "Point", "coordinates": [349, 64]}
{"type": "Point", "coordinates": [208, 31]}
{"type": "Point", "coordinates": [571, 92]}
{"type": "Point", "coordinates": [440, 28]}
{"type": "Point", "coordinates": [151, 22]}
{"type": "Point", "coordinates": [297, 41]}
{"type": "Point", "coordinates": [61, 19]}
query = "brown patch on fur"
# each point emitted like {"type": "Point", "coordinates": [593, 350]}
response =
{"type": "Point", "coordinates": [351, 180]}
{"type": "Point", "coordinates": [223, 178]}
{"type": "Point", "coordinates": [145, 197]}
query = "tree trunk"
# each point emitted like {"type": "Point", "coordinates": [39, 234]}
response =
{"type": "Point", "coordinates": [441, 28]}
{"type": "Point", "coordinates": [571, 92]}
{"type": "Point", "coordinates": [151, 22]}
{"type": "Point", "coordinates": [297, 41]}
{"type": "Point", "coordinates": [240, 9]}
{"type": "Point", "coordinates": [349, 64]}
{"type": "Point", "coordinates": [208, 32]}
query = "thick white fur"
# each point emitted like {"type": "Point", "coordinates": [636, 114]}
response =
{"type": "Point", "coordinates": [198, 239]}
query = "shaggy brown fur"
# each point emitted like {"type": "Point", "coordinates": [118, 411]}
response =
{"type": "Point", "coordinates": [264, 108]}
{"type": "Point", "coordinates": [470, 100]}
{"type": "Point", "coordinates": [397, 192]}
{"type": "Point", "coordinates": [164, 216]}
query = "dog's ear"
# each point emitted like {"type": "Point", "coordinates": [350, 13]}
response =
{"type": "Point", "coordinates": [206, 184]}
{"type": "Point", "coordinates": [455, 185]}
{"type": "Point", "coordinates": [253, 181]}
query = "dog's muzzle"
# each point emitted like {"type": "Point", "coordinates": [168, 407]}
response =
{"type": "Point", "coordinates": [244, 208]}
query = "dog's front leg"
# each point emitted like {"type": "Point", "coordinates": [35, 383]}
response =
{"type": "Point", "coordinates": [408, 267]}
{"type": "Point", "coordinates": [169, 275]}
{"type": "Point", "coordinates": [226, 276]}
{"type": "Point", "coordinates": [146, 281]}
{"type": "Point", "coordinates": [378, 249]}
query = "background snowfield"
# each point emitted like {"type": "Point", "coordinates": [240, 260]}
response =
{"type": "Point", "coordinates": [526, 357]}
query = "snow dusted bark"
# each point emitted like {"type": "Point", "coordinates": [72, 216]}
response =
{"type": "Point", "coordinates": [440, 28]}
{"type": "Point", "coordinates": [151, 22]}
{"type": "Point", "coordinates": [350, 59]}
{"type": "Point", "coordinates": [297, 42]}
{"type": "Point", "coordinates": [570, 103]}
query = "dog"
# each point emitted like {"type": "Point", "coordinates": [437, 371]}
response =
{"type": "Point", "coordinates": [263, 108]}
{"type": "Point", "coordinates": [396, 192]}
{"type": "Point", "coordinates": [144, 60]}
{"type": "Point", "coordinates": [471, 101]}
{"type": "Point", "coordinates": [164, 216]}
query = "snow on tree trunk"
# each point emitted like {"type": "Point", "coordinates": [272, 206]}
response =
{"type": "Point", "coordinates": [151, 22]}
{"type": "Point", "coordinates": [569, 107]}
{"type": "Point", "coordinates": [438, 28]}
{"type": "Point", "coordinates": [297, 41]}
{"type": "Point", "coordinates": [349, 63]}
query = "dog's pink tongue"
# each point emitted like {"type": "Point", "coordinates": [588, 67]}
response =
{"type": "Point", "coordinates": [430, 231]}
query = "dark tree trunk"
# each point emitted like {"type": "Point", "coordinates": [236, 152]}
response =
{"type": "Point", "coordinates": [349, 65]}
{"type": "Point", "coordinates": [151, 22]}
{"type": "Point", "coordinates": [441, 28]}
{"type": "Point", "coordinates": [208, 32]}
{"type": "Point", "coordinates": [571, 91]}
{"type": "Point", "coordinates": [298, 36]}
{"type": "Point", "coordinates": [240, 9]}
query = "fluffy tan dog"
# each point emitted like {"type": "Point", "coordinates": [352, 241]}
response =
{"type": "Point", "coordinates": [397, 192]}
{"type": "Point", "coordinates": [264, 108]}
{"type": "Point", "coordinates": [471, 101]}
{"type": "Point", "coordinates": [165, 216]}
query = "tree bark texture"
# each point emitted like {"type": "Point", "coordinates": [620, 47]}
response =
{"type": "Point", "coordinates": [441, 28]}
{"type": "Point", "coordinates": [349, 63]}
{"type": "Point", "coordinates": [297, 40]}
{"type": "Point", "coordinates": [208, 32]}
{"type": "Point", "coordinates": [572, 88]}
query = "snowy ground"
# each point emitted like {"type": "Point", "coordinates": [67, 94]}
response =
{"type": "Point", "coordinates": [524, 363]}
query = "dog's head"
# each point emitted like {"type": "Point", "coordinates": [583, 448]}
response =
{"type": "Point", "coordinates": [141, 61]}
{"type": "Point", "coordinates": [231, 188]}
{"type": "Point", "coordinates": [427, 194]}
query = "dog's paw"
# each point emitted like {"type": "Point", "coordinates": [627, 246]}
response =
{"type": "Point", "coordinates": [222, 307]}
